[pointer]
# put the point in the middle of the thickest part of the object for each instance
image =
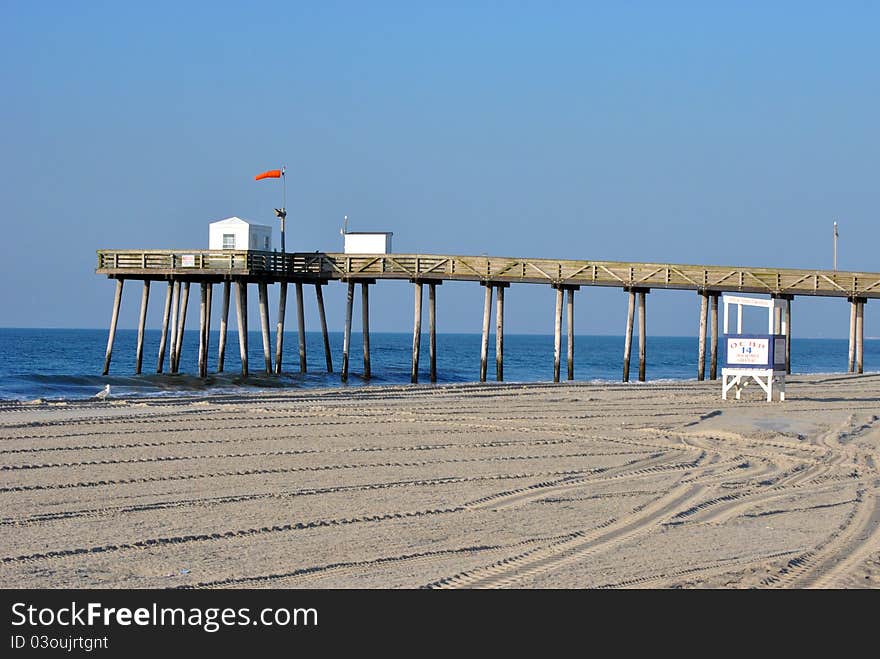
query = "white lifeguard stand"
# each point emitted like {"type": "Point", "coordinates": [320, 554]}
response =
{"type": "Point", "coordinates": [757, 357]}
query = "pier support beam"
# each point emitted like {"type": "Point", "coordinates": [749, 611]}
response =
{"type": "Point", "coordinates": [224, 326]}
{"type": "Point", "coordinates": [860, 334]}
{"type": "Point", "coordinates": [279, 328]}
{"type": "Point", "coordinates": [788, 335]}
{"type": "Point", "coordinates": [346, 336]}
{"type": "Point", "coordinates": [627, 342]}
{"type": "Point", "coordinates": [642, 335]}
{"type": "Point", "coordinates": [175, 321]}
{"type": "Point", "coordinates": [163, 338]}
{"type": "Point", "coordinates": [181, 324]}
{"type": "Point", "coordinates": [557, 330]}
{"type": "Point", "coordinates": [713, 344]}
{"type": "Point", "coordinates": [175, 313]}
{"type": "Point", "coordinates": [432, 327]}
{"type": "Point", "coordinates": [319, 295]}
{"type": "Point", "coordinates": [851, 360]}
{"type": "Point", "coordinates": [627, 345]}
{"type": "Point", "coordinates": [208, 309]}
{"type": "Point", "coordinates": [301, 328]}
{"type": "Point", "coordinates": [782, 325]}
{"type": "Point", "coordinates": [499, 332]}
{"type": "Point", "coordinates": [701, 350]}
{"type": "Point", "coordinates": [117, 302]}
{"type": "Point", "coordinates": [365, 327]}
{"type": "Point", "coordinates": [263, 292]}
{"type": "Point", "coordinates": [203, 325]}
{"type": "Point", "coordinates": [557, 334]}
{"type": "Point", "coordinates": [417, 330]}
{"type": "Point", "coordinates": [570, 328]}
{"type": "Point", "coordinates": [241, 314]}
{"type": "Point", "coordinates": [142, 322]}
{"type": "Point", "coordinates": [484, 344]}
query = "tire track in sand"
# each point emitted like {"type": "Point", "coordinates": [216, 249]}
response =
{"type": "Point", "coordinates": [226, 535]}
{"type": "Point", "coordinates": [208, 501]}
{"type": "Point", "coordinates": [613, 531]}
{"type": "Point", "coordinates": [821, 565]}
{"type": "Point", "coordinates": [288, 470]}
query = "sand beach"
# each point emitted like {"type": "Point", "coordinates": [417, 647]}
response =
{"type": "Point", "coordinates": [657, 485]}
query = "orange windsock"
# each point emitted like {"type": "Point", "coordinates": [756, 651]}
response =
{"type": "Point", "coordinates": [272, 173]}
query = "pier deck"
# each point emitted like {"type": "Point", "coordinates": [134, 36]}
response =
{"type": "Point", "coordinates": [310, 266]}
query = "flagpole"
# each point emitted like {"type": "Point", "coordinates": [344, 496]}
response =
{"type": "Point", "coordinates": [283, 204]}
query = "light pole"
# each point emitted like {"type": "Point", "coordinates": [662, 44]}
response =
{"type": "Point", "coordinates": [835, 245]}
{"type": "Point", "coordinates": [281, 213]}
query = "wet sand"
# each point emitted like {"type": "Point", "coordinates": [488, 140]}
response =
{"type": "Point", "coordinates": [659, 485]}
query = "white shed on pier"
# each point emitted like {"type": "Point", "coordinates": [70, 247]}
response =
{"type": "Point", "coordinates": [367, 242]}
{"type": "Point", "coordinates": [236, 233]}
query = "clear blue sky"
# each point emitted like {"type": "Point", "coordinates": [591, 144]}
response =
{"type": "Point", "coordinates": [673, 132]}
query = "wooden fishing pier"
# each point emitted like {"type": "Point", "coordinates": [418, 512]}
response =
{"type": "Point", "coordinates": [180, 269]}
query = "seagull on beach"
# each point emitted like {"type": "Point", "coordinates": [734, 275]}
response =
{"type": "Point", "coordinates": [104, 393]}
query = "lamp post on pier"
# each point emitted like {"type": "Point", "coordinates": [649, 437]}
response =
{"type": "Point", "coordinates": [835, 245]}
{"type": "Point", "coordinates": [281, 213]}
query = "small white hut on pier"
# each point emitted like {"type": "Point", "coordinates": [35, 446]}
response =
{"type": "Point", "coordinates": [236, 233]}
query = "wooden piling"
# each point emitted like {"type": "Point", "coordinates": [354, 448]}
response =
{"type": "Point", "coordinates": [417, 330]}
{"type": "Point", "coordinates": [263, 292]}
{"type": "Point", "coordinates": [432, 329]}
{"type": "Point", "coordinates": [713, 344]}
{"type": "Point", "coordinates": [852, 335]}
{"type": "Point", "coordinates": [860, 335]}
{"type": "Point", "coordinates": [208, 309]}
{"type": "Point", "coordinates": [175, 313]}
{"type": "Point", "coordinates": [627, 343]}
{"type": "Point", "coordinates": [279, 327]}
{"type": "Point", "coordinates": [642, 337]}
{"type": "Point", "coordinates": [319, 295]}
{"type": "Point", "coordinates": [570, 328]}
{"type": "Point", "coordinates": [163, 337]}
{"type": "Point", "coordinates": [142, 322]}
{"type": "Point", "coordinates": [241, 315]}
{"type": "Point", "coordinates": [701, 354]}
{"type": "Point", "coordinates": [499, 332]}
{"type": "Point", "coordinates": [117, 302]}
{"type": "Point", "coordinates": [301, 327]}
{"type": "Point", "coordinates": [484, 345]}
{"type": "Point", "coordinates": [203, 314]}
{"type": "Point", "coordinates": [346, 335]}
{"type": "Point", "coordinates": [365, 327]}
{"type": "Point", "coordinates": [788, 335]}
{"type": "Point", "coordinates": [224, 325]}
{"type": "Point", "coordinates": [557, 334]}
{"type": "Point", "coordinates": [181, 325]}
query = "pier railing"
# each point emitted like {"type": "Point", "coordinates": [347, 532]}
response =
{"type": "Point", "coordinates": [161, 264]}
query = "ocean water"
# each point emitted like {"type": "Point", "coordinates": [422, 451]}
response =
{"type": "Point", "coordinates": [66, 363]}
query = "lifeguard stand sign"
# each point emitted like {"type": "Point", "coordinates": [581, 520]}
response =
{"type": "Point", "coordinates": [758, 357]}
